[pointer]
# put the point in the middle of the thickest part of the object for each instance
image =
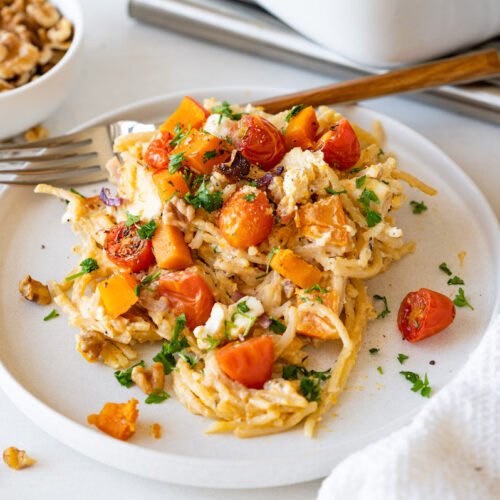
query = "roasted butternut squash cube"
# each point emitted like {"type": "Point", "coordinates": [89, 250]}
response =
{"type": "Point", "coordinates": [168, 184]}
{"type": "Point", "coordinates": [117, 293]}
{"type": "Point", "coordinates": [312, 324]}
{"type": "Point", "coordinates": [170, 249]}
{"type": "Point", "coordinates": [189, 113]}
{"type": "Point", "coordinates": [116, 419]}
{"type": "Point", "coordinates": [301, 130]}
{"type": "Point", "coordinates": [297, 270]}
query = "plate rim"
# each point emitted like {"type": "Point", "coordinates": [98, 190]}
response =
{"type": "Point", "coordinates": [87, 439]}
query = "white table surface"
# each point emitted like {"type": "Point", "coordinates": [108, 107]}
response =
{"type": "Point", "coordinates": [125, 61]}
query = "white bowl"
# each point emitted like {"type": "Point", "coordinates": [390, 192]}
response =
{"type": "Point", "coordinates": [23, 107]}
{"type": "Point", "coordinates": [389, 33]}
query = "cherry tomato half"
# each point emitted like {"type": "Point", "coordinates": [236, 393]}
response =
{"type": "Point", "coordinates": [340, 145]}
{"type": "Point", "coordinates": [126, 249]}
{"type": "Point", "coordinates": [249, 362]}
{"type": "Point", "coordinates": [246, 219]}
{"type": "Point", "coordinates": [424, 313]}
{"type": "Point", "coordinates": [260, 142]}
{"type": "Point", "coordinates": [156, 155]}
{"type": "Point", "coordinates": [187, 292]}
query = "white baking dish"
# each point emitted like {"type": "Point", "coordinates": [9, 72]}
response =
{"type": "Point", "coordinates": [388, 33]}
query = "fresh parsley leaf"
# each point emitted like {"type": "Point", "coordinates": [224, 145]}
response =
{"type": "Point", "coordinates": [208, 155]}
{"type": "Point", "coordinates": [418, 383]}
{"type": "Point", "coordinates": [76, 192]}
{"type": "Point", "coordinates": [276, 326]}
{"type": "Point", "coordinates": [171, 196]}
{"type": "Point", "coordinates": [332, 191]}
{"type": "Point", "coordinates": [426, 392]}
{"type": "Point", "coordinates": [386, 311]}
{"type": "Point", "coordinates": [319, 299]}
{"type": "Point", "coordinates": [52, 314]}
{"type": "Point", "coordinates": [124, 377]}
{"type": "Point", "coordinates": [456, 281]}
{"type": "Point", "coordinates": [175, 162]}
{"type": "Point", "coordinates": [294, 111]}
{"type": "Point", "coordinates": [214, 248]}
{"type": "Point", "coordinates": [380, 152]}
{"type": "Point", "coordinates": [87, 265]}
{"type": "Point", "coordinates": [179, 136]}
{"type": "Point", "coordinates": [250, 197]}
{"type": "Point", "coordinates": [229, 140]}
{"type": "Point", "coordinates": [368, 195]}
{"type": "Point", "coordinates": [156, 397]}
{"type": "Point", "coordinates": [291, 372]}
{"type": "Point", "coordinates": [309, 380]}
{"type": "Point", "coordinates": [374, 350]}
{"type": "Point", "coordinates": [402, 358]}
{"type": "Point", "coordinates": [445, 268]}
{"type": "Point", "coordinates": [316, 288]}
{"type": "Point", "coordinates": [148, 230]}
{"type": "Point", "coordinates": [418, 208]}
{"type": "Point", "coordinates": [204, 199]}
{"type": "Point", "coordinates": [372, 217]}
{"type": "Point", "coordinates": [177, 344]}
{"type": "Point", "coordinates": [224, 109]}
{"type": "Point", "coordinates": [355, 170]}
{"type": "Point", "coordinates": [131, 219]}
{"type": "Point", "coordinates": [271, 254]}
{"type": "Point", "coordinates": [379, 369]}
{"type": "Point", "coordinates": [310, 389]}
{"type": "Point", "coordinates": [242, 307]}
{"type": "Point", "coordinates": [213, 342]}
{"type": "Point", "coordinates": [191, 360]}
{"type": "Point", "coordinates": [360, 181]}
{"type": "Point", "coordinates": [460, 300]}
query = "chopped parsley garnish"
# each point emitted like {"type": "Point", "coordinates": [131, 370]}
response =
{"type": "Point", "coordinates": [402, 358]}
{"type": "Point", "coordinates": [213, 342]}
{"type": "Point", "coordinates": [171, 196]}
{"type": "Point", "coordinates": [229, 140]}
{"type": "Point", "coordinates": [456, 281]}
{"type": "Point", "coordinates": [157, 396]}
{"type": "Point", "coordinates": [208, 155]}
{"type": "Point", "coordinates": [191, 360]}
{"type": "Point", "coordinates": [73, 190]}
{"type": "Point", "coordinates": [175, 162]}
{"type": "Point", "coordinates": [380, 152]}
{"type": "Point", "coordinates": [224, 109]}
{"type": "Point", "coordinates": [310, 380]}
{"type": "Point", "coordinates": [445, 268]}
{"type": "Point", "coordinates": [372, 217]}
{"type": "Point", "coordinates": [87, 265]}
{"type": "Point", "coordinates": [277, 326]}
{"type": "Point", "coordinates": [179, 136]}
{"type": "Point", "coordinates": [214, 248]}
{"type": "Point", "coordinates": [146, 281]}
{"type": "Point", "coordinates": [368, 195]}
{"type": "Point", "coordinates": [192, 179]}
{"type": "Point", "coordinates": [124, 377]}
{"type": "Point", "coordinates": [386, 311]}
{"type": "Point", "coordinates": [418, 208]}
{"type": "Point", "coordinates": [355, 170]}
{"type": "Point", "coordinates": [316, 288]}
{"type": "Point", "coordinates": [319, 299]}
{"type": "Point", "coordinates": [148, 230]}
{"type": "Point", "coordinates": [460, 300]}
{"type": "Point", "coordinates": [242, 307]}
{"type": "Point", "coordinates": [250, 197]}
{"type": "Point", "coordinates": [177, 344]}
{"type": "Point", "coordinates": [379, 369]}
{"type": "Point", "coordinates": [131, 219]}
{"type": "Point", "coordinates": [418, 383]}
{"type": "Point", "coordinates": [52, 314]}
{"type": "Point", "coordinates": [360, 181]}
{"type": "Point", "coordinates": [204, 199]}
{"type": "Point", "coordinates": [332, 191]}
{"type": "Point", "coordinates": [269, 258]}
{"type": "Point", "coordinates": [294, 111]}
{"type": "Point", "coordinates": [374, 350]}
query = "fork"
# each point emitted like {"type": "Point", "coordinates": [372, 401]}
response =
{"type": "Point", "coordinates": [79, 158]}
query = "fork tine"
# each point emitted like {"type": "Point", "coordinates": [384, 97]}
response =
{"type": "Point", "coordinates": [49, 169]}
{"type": "Point", "coordinates": [55, 159]}
{"type": "Point", "coordinates": [85, 175]}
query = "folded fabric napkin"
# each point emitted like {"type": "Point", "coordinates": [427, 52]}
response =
{"type": "Point", "coordinates": [451, 450]}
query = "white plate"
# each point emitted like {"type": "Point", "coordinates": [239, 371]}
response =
{"type": "Point", "coordinates": [46, 377]}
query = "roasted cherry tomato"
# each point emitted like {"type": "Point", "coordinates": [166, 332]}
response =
{"type": "Point", "coordinates": [260, 142]}
{"type": "Point", "coordinates": [156, 155]}
{"type": "Point", "coordinates": [424, 313]}
{"type": "Point", "coordinates": [340, 145]}
{"type": "Point", "coordinates": [187, 292]}
{"type": "Point", "coordinates": [246, 219]}
{"type": "Point", "coordinates": [126, 249]}
{"type": "Point", "coordinates": [249, 362]}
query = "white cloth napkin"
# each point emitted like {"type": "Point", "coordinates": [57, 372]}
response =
{"type": "Point", "coordinates": [451, 450]}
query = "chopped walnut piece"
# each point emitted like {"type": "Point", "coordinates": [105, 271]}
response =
{"type": "Point", "coordinates": [44, 13]}
{"type": "Point", "coordinates": [90, 344]}
{"type": "Point", "coordinates": [35, 291]}
{"type": "Point", "coordinates": [17, 459]}
{"type": "Point", "coordinates": [149, 380]}
{"type": "Point", "coordinates": [36, 133]}
{"type": "Point", "coordinates": [61, 31]}
{"type": "Point", "coordinates": [178, 213]}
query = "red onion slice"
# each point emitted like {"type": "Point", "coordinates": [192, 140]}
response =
{"type": "Point", "coordinates": [265, 180]}
{"type": "Point", "coordinates": [107, 199]}
{"type": "Point", "coordinates": [264, 321]}
{"type": "Point", "coordinates": [236, 296]}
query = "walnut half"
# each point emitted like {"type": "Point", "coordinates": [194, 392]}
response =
{"type": "Point", "coordinates": [149, 380]}
{"type": "Point", "coordinates": [35, 291]}
{"type": "Point", "coordinates": [17, 459]}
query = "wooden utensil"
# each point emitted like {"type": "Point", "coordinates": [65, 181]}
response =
{"type": "Point", "coordinates": [473, 66]}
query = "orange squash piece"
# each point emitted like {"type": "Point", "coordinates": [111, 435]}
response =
{"type": "Point", "coordinates": [117, 293]}
{"type": "Point", "coordinates": [202, 151]}
{"type": "Point", "coordinates": [117, 419]}
{"type": "Point", "coordinates": [301, 130]}
{"type": "Point", "coordinates": [168, 184]}
{"type": "Point", "coordinates": [188, 113]}
{"type": "Point", "coordinates": [315, 325]}
{"type": "Point", "coordinates": [170, 249]}
{"type": "Point", "coordinates": [314, 219]}
{"type": "Point", "coordinates": [297, 270]}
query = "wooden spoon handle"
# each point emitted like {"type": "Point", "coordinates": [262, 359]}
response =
{"type": "Point", "coordinates": [468, 67]}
